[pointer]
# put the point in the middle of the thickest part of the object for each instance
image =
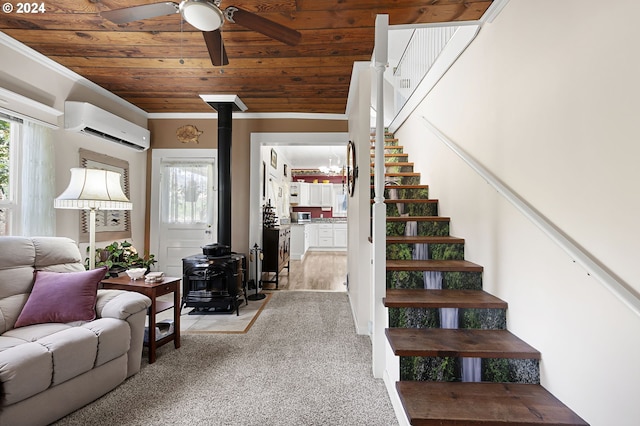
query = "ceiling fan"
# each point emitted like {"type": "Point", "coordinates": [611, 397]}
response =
{"type": "Point", "coordinates": [207, 16]}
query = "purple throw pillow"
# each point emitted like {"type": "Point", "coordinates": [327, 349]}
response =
{"type": "Point", "coordinates": [62, 297]}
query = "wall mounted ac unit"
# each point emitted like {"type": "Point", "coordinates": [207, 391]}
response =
{"type": "Point", "coordinates": [89, 119]}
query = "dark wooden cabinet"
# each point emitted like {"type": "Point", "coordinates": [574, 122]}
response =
{"type": "Point", "coordinates": [276, 243]}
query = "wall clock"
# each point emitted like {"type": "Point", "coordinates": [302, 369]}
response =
{"type": "Point", "coordinates": [352, 167]}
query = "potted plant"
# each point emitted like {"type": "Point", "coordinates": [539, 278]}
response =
{"type": "Point", "coordinates": [120, 256]}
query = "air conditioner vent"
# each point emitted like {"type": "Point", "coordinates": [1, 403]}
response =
{"type": "Point", "coordinates": [86, 118]}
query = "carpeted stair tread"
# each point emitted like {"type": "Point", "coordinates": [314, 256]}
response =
{"type": "Point", "coordinates": [433, 265]}
{"type": "Point", "coordinates": [475, 404]}
{"type": "Point", "coordinates": [422, 298]}
{"type": "Point", "coordinates": [418, 219]}
{"type": "Point", "coordinates": [424, 239]}
{"type": "Point", "coordinates": [460, 342]}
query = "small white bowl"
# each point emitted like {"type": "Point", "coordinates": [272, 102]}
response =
{"type": "Point", "coordinates": [136, 273]}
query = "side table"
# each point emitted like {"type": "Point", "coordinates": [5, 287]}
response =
{"type": "Point", "coordinates": [153, 291]}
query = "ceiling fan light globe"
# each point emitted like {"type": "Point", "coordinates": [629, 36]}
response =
{"type": "Point", "coordinates": [202, 14]}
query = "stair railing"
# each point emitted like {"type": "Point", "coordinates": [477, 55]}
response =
{"type": "Point", "coordinates": [580, 257]}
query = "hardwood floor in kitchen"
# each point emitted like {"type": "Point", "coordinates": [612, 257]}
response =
{"type": "Point", "coordinates": [320, 270]}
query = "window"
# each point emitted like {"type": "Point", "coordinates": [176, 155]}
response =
{"type": "Point", "coordinates": [26, 165]}
{"type": "Point", "coordinates": [7, 199]}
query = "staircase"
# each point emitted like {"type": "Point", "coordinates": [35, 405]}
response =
{"type": "Point", "coordinates": [459, 365]}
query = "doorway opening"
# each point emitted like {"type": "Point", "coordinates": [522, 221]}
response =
{"type": "Point", "coordinates": [268, 173]}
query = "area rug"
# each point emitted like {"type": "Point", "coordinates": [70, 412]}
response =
{"type": "Point", "coordinates": [223, 323]}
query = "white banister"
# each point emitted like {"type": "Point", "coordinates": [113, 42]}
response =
{"type": "Point", "coordinates": [616, 287]}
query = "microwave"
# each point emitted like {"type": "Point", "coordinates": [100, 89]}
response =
{"type": "Point", "coordinates": [301, 217]}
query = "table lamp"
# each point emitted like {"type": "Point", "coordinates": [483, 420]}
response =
{"type": "Point", "coordinates": [93, 189]}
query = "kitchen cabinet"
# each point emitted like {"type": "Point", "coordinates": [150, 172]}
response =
{"type": "Point", "coordinates": [340, 235]}
{"type": "Point", "coordinates": [299, 193]}
{"type": "Point", "coordinates": [325, 235]}
{"type": "Point", "coordinates": [312, 231]}
{"type": "Point", "coordinates": [319, 195]}
{"type": "Point", "coordinates": [299, 241]}
{"type": "Point", "coordinates": [327, 195]}
{"type": "Point", "coordinates": [315, 194]}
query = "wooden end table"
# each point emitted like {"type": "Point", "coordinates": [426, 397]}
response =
{"type": "Point", "coordinates": [153, 291]}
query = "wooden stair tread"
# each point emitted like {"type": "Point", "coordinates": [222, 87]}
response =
{"type": "Point", "coordinates": [401, 147]}
{"type": "Point", "coordinates": [462, 342]}
{"type": "Point", "coordinates": [418, 219]}
{"type": "Point", "coordinates": [433, 265]}
{"type": "Point", "coordinates": [422, 298]}
{"type": "Point", "coordinates": [410, 201]}
{"type": "Point", "coordinates": [401, 174]}
{"type": "Point", "coordinates": [404, 186]}
{"type": "Point", "coordinates": [395, 164]}
{"type": "Point", "coordinates": [424, 239]}
{"type": "Point", "coordinates": [474, 404]}
{"type": "Point", "coordinates": [400, 154]}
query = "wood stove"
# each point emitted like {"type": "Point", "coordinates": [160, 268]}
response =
{"type": "Point", "coordinates": [215, 281]}
{"type": "Point", "coordinates": [214, 284]}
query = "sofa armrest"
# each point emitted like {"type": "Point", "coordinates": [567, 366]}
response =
{"type": "Point", "coordinates": [120, 304]}
{"type": "Point", "coordinates": [131, 307]}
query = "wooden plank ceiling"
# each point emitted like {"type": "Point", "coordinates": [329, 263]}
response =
{"type": "Point", "coordinates": [162, 64]}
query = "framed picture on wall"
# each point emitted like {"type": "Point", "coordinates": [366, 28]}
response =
{"type": "Point", "coordinates": [110, 224]}
{"type": "Point", "coordinates": [274, 158]}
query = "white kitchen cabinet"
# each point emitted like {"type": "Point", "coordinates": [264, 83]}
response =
{"type": "Point", "coordinates": [315, 194]}
{"type": "Point", "coordinates": [340, 235]}
{"type": "Point", "coordinates": [320, 195]}
{"type": "Point", "coordinates": [298, 243]}
{"type": "Point", "coordinates": [312, 230]}
{"type": "Point", "coordinates": [299, 194]}
{"type": "Point", "coordinates": [327, 194]}
{"type": "Point", "coordinates": [325, 235]}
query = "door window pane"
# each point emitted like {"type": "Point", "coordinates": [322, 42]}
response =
{"type": "Point", "coordinates": [187, 191]}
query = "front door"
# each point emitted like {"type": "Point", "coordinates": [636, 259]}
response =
{"type": "Point", "coordinates": [185, 201]}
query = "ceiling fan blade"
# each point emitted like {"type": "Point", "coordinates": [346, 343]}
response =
{"type": "Point", "coordinates": [263, 25]}
{"type": "Point", "coordinates": [137, 13]}
{"type": "Point", "coordinates": [216, 49]}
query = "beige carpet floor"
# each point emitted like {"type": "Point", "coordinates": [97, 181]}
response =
{"type": "Point", "coordinates": [300, 364]}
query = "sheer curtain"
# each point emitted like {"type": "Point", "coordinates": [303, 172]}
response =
{"type": "Point", "coordinates": [37, 181]}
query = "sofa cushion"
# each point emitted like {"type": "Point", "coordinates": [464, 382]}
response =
{"type": "Point", "coordinates": [114, 338]}
{"type": "Point", "coordinates": [25, 370]}
{"type": "Point", "coordinates": [73, 351]}
{"type": "Point", "coordinates": [61, 297]}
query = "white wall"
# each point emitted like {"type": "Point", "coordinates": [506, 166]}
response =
{"type": "Point", "coordinates": [28, 74]}
{"type": "Point", "coordinates": [547, 99]}
{"type": "Point", "coordinates": [277, 183]}
{"type": "Point", "coordinates": [358, 210]}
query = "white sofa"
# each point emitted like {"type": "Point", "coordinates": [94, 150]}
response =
{"type": "Point", "coordinates": [48, 370]}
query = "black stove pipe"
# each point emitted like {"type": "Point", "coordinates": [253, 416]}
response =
{"type": "Point", "coordinates": [224, 173]}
